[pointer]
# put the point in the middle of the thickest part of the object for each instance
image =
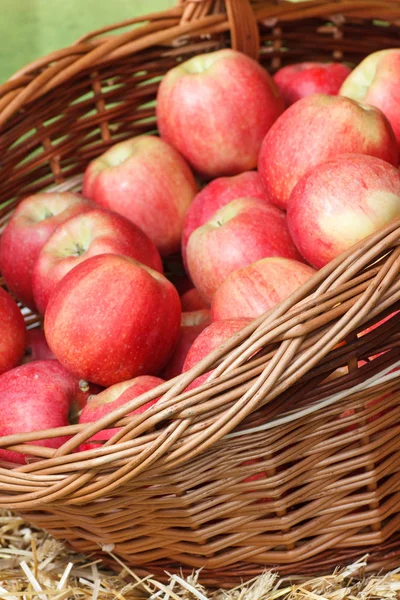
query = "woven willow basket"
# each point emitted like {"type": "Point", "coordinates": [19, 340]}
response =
{"type": "Point", "coordinates": [323, 456]}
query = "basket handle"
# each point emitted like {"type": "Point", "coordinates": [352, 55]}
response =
{"type": "Point", "coordinates": [242, 21]}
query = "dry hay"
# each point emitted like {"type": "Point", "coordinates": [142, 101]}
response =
{"type": "Point", "coordinates": [34, 566]}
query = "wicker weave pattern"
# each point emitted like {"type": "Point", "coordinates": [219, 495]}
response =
{"type": "Point", "coordinates": [323, 456]}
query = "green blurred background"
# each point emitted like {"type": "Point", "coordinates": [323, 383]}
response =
{"type": "Point", "coordinates": [32, 28]}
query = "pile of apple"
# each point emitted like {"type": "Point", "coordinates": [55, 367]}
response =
{"type": "Point", "coordinates": [255, 182]}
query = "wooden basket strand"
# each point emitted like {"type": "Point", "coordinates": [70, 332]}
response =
{"type": "Point", "coordinates": [241, 19]}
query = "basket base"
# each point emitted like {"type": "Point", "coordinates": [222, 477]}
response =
{"type": "Point", "coordinates": [380, 559]}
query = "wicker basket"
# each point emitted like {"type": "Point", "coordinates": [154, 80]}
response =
{"type": "Point", "coordinates": [323, 456]}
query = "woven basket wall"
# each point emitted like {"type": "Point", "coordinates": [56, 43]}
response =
{"type": "Point", "coordinates": [323, 457]}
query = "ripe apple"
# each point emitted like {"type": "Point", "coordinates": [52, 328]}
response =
{"type": "Point", "coordinates": [34, 397]}
{"type": "Point", "coordinates": [37, 347]}
{"type": "Point", "coordinates": [113, 397]}
{"type": "Point", "coordinates": [96, 232]}
{"type": "Point", "coordinates": [192, 324]}
{"type": "Point", "coordinates": [376, 81]}
{"type": "Point", "coordinates": [148, 182]}
{"type": "Point", "coordinates": [340, 202]}
{"type": "Point", "coordinates": [215, 195]}
{"type": "Point", "coordinates": [251, 291]}
{"type": "Point", "coordinates": [12, 332]}
{"type": "Point", "coordinates": [243, 231]}
{"type": "Point", "coordinates": [306, 78]}
{"type": "Point", "coordinates": [30, 226]}
{"type": "Point", "coordinates": [215, 109]}
{"type": "Point", "coordinates": [112, 318]}
{"type": "Point", "coordinates": [316, 129]}
{"type": "Point", "coordinates": [208, 340]}
{"type": "Point", "coordinates": [191, 300]}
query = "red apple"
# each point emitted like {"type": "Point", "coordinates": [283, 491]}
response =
{"type": "Point", "coordinates": [112, 318]}
{"type": "Point", "coordinates": [243, 231]}
{"type": "Point", "coordinates": [113, 397]}
{"type": "Point", "coordinates": [208, 340]}
{"type": "Point", "coordinates": [30, 226]}
{"type": "Point", "coordinates": [33, 397]}
{"type": "Point", "coordinates": [340, 202]}
{"type": "Point", "coordinates": [215, 195]}
{"type": "Point", "coordinates": [251, 291]}
{"type": "Point", "coordinates": [215, 110]}
{"type": "Point", "coordinates": [191, 300]}
{"type": "Point", "coordinates": [306, 78]}
{"type": "Point", "coordinates": [36, 346]}
{"type": "Point", "coordinates": [37, 349]}
{"type": "Point", "coordinates": [376, 81]}
{"type": "Point", "coordinates": [316, 129]}
{"type": "Point", "coordinates": [96, 232]}
{"type": "Point", "coordinates": [12, 332]}
{"type": "Point", "coordinates": [192, 324]}
{"type": "Point", "coordinates": [148, 182]}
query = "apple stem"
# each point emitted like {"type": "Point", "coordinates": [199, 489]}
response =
{"type": "Point", "coordinates": [78, 250]}
{"type": "Point", "coordinates": [47, 213]}
{"type": "Point", "coordinates": [83, 385]}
